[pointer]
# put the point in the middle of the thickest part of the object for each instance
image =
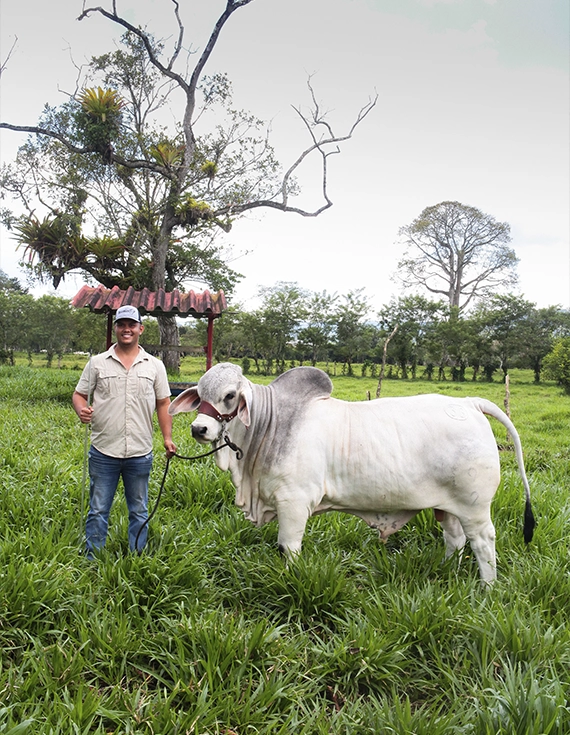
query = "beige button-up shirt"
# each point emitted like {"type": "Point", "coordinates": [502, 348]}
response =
{"type": "Point", "coordinates": [123, 401]}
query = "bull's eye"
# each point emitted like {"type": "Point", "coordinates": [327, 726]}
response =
{"type": "Point", "coordinates": [229, 397]}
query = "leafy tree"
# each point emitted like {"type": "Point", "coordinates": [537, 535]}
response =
{"type": "Point", "coordinates": [53, 322]}
{"type": "Point", "coordinates": [253, 325]}
{"type": "Point", "coordinates": [482, 356]}
{"type": "Point", "coordinates": [232, 334]}
{"type": "Point", "coordinates": [539, 334]}
{"type": "Point", "coordinates": [15, 320]}
{"type": "Point", "coordinates": [151, 332]}
{"type": "Point", "coordinates": [452, 343]}
{"type": "Point", "coordinates": [10, 284]}
{"type": "Point", "coordinates": [556, 365]}
{"type": "Point", "coordinates": [415, 317]}
{"type": "Point", "coordinates": [315, 336]}
{"type": "Point", "coordinates": [352, 336]}
{"type": "Point", "coordinates": [505, 319]}
{"type": "Point", "coordinates": [129, 202]}
{"type": "Point", "coordinates": [282, 312]}
{"type": "Point", "coordinates": [458, 252]}
{"type": "Point", "coordinates": [90, 331]}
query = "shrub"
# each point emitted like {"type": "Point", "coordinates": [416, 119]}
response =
{"type": "Point", "coordinates": [556, 365]}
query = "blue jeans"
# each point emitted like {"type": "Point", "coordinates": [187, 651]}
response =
{"type": "Point", "coordinates": [104, 474]}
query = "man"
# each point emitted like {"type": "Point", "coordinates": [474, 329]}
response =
{"type": "Point", "coordinates": [127, 385]}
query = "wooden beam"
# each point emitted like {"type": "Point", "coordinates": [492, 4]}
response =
{"type": "Point", "coordinates": [210, 346]}
{"type": "Point", "coordinates": [109, 329]}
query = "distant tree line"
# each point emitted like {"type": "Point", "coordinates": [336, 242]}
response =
{"type": "Point", "coordinates": [431, 339]}
{"type": "Point", "coordinates": [292, 326]}
{"type": "Point", "coordinates": [49, 325]}
{"type": "Point", "coordinates": [46, 325]}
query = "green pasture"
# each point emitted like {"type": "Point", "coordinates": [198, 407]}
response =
{"type": "Point", "coordinates": [209, 632]}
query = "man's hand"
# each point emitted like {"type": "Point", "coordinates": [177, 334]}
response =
{"type": "Point", "coordinates": [82, 409]}
{"type": "Point", "coordinates": [86, 414]}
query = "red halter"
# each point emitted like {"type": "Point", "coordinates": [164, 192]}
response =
{"type": "Point", "coordinates": [209, 410]}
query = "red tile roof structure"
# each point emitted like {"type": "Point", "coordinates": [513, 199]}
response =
{"type": "Point", "coordinates": [152, 303]}
{"type": "Point", "coordinates": [103, 300]}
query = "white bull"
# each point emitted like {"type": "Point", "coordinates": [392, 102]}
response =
{"type": "Point", "coordinates": [382, 460]}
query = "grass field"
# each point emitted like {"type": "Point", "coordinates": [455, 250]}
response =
{"type": "Point", "coordinates": [210, 632]}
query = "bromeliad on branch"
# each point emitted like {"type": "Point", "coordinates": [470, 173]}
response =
{"type": "Point", "coordinates": [101, 103]}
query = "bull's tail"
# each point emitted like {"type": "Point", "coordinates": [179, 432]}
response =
{"type": "Point", "coordinates": [529, 522]}
{"type": "Point", "coordinates": [490, 409]}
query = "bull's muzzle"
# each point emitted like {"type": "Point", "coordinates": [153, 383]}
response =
{"type": "Point", "coordinates": [210, 422]}
{"type": "Point", "coordinates": [199, 432]}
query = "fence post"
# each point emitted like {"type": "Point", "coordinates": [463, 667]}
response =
{"type": "Point", "coordinates": [379, 387]}
{"type": "Point", "coordinates": [507, 400]}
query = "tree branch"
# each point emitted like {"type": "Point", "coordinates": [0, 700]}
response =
{"type": "Point", "coordinates": [231, 7]}
{"type": "Point", "coordinates": [4, 63]}
{"type": "Point", "coordinates": [166, 70]}
{"type": "Point", "coordinates": [134, 164]}
{"type": "Point", "coordinates": [178, 44]}
{"type": "Point", "coordinates": [190, 87]}
{"type": "Point", "coordinates": [318, 144]}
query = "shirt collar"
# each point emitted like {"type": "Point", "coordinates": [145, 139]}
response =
{"type": "Point", "coordinates": [143, 354]}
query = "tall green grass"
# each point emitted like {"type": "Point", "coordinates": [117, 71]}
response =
{"type": "Point", "coordinates": [210, 632]}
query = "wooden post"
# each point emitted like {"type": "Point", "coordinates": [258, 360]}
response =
{"type": "Point", "coordinates": [507, 401]}
{"type": "Point", "coordinates": [379, 387]}
{"type": "Point", "coordinates": [210, 345]}
{"type": "Point", "coordinates": [109, 329]}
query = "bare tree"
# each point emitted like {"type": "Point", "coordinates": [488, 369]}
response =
{"type": "Point", "coordinates": [182, 185]}
{"type": "Point", "coordinates": [457, 251]}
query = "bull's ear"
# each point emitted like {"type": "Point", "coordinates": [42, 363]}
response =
{"type": "Point", "coordinates": [187, 401]}
{"type": "Point", "coordinates": [243, 410]}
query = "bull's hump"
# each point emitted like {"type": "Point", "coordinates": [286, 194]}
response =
{"type": "Point", "coordinates": [303, 383]}
{"type": "Point", "coordinates": [279, 410]}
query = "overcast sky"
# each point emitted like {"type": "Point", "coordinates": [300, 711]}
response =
{"type": "Point", "coordinates": [474, 99]}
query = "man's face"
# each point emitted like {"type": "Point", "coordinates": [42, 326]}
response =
{"type": "Point", "coordinates": [128, 331]}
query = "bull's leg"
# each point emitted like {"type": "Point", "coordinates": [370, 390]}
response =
{"type": "Point", "coordinates": [481, 535]}
{"type": "Point", "coordinates": [453, 534]}
{"type": "Point", "coordinates": [292, 521]}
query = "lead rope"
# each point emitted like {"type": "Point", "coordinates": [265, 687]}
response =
{"type": "Point", "coordinates": [85, 446]}
{"type": "Point", "coordinates": [227, 443]}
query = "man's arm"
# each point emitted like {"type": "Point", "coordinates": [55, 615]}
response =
{"type": "Point", "coordinates": [84, 411]}
{"type": "Point", "coordinates": [165, 423]}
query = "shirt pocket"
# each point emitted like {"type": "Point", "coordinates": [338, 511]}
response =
{"type": "Point", "coordinates": [145, 384]}
{"type": "Point", "coordinates": [110, 385]}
